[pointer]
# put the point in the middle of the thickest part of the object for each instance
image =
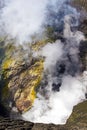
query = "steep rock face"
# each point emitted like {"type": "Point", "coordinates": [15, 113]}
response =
{"type": "Point", "coordinates": [20, 78]}
{"type": "Point", "coordinates": [78, 118]}
{"type": "Point", "coordinates": [21, 73]}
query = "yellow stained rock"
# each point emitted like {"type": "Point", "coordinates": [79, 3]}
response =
{"type": "Point", "coordinates": [8, 63]}
{"type": "Point", "coordinates": [21, 78]}
{"type": "Point", "coordinates": [28, 94]}
{"type": "Point", "coordinates": [38, 45]}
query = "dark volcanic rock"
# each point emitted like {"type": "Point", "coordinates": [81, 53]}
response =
{"type": "Point", "coordinates": [83, 27]}
{"type": "Point", "coordinates": [77, 121]}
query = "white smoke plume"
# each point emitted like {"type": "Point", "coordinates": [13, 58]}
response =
{"type": "Point", "coordinates": [62, 86]}
{"type": "Point", "coordinates": [21, 19]}
{"type": "Point", "coordinates": [60, 104]}
{"type": "Point", "coordinates": [52, 52]}
{"type": "Point", "coordinates": [54, 105]}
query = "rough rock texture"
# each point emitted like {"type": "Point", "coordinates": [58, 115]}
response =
{"type": "Point", "coordinates": [77, 121]}
{"type": "Point", "coordinates": [83, 27]}
{"type": "Point", "coordinates": [21, 77]}
{"type": "Point", "coordinates": [80, 4]}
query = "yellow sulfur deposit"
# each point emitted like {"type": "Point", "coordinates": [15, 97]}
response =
{"type": "Point", "coordinates": [40, 44]}
{"type": "Point", "coordinates": [21, 77]}
{"type": "Point", "coordinates": [28, 94]}
{"type": "Point", "coordinates": [8, 63]}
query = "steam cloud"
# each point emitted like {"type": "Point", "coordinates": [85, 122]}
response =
{"type": "Point", "coordinates": [62, 86]}
{"type": "Point", "coordinates": [20, 20]}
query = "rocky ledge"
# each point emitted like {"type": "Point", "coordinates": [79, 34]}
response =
{"type": "Point", "coordinates": [77, 121]}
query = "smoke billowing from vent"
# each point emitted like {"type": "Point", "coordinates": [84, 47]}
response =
{"type": "Point", "coordinates": [62, 86]}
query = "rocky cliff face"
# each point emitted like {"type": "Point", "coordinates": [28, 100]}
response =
{"type": "Point", "coordinates": [20, 78]}
{"type": "Point", "coordinates": [21, 74]}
